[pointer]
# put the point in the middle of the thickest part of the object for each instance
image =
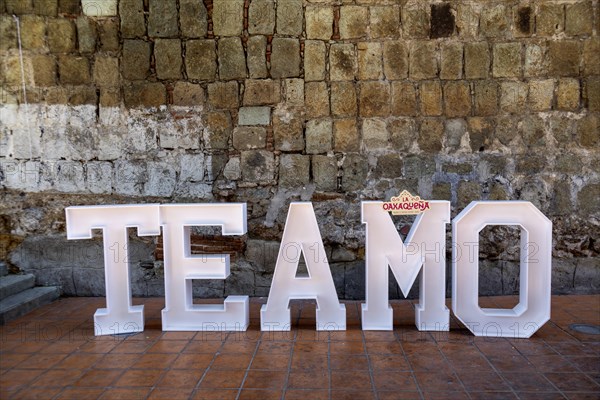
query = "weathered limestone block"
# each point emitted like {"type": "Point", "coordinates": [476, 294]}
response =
{"type": "Point", "coordinates": [232, 62]}
{"type": "Point", "coordinates": [228, 17]}
{"type": "Point", "coordinates": [257, 165]}
{"type": "Point", "coordinates": [285, 58]}
{"type": "Point", "coordinates": [353, 22]}
{"type": "Point", "coordinates": [167, 53]}
{"type": "Point", "coordinates": [162, 18]}
{"type": "Point", "coordinates": [325, 171]}
{"type": "Point", "coordinates": [201, 59]}
{"type": "Point", "coordinates": [223, 95]}
{"type": "Point", "coordinates": [261, 17]}
{"type": "Point", "coordinates": [319, 134]}
{"type": "Point", "coordinates": [193, 18]}
{"type": "Point", "coordinates": [257, 57]}
{"type": "Point", "coordinates": [314, 60]}
{"type": "Point", "coordinates": [294, 170]}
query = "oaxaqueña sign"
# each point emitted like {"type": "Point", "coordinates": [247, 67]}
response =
{"type": "Point", "coordinates": [424, 250]}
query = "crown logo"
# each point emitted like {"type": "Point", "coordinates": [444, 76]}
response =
{"type": "Point", "coordinates": [406, 204]}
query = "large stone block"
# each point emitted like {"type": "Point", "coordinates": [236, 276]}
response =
{"type": "Point", "coordinates": [592, 93]}
{"type": "Point", "coordinates": [477, 60]}
{"type": "Point", "coordinates": [541, 94]}
{"type": "Point", "coordinates": [257, 57]}
{"type": "Point", "coordinates": [106, 71]}
{"type": "Point", "coordinates": [162, 179]}
{"type": "Point", "coordinates": [131, 13]}
{"type": "Point", "coordinates": [193, 18]}
{"type": "Point", "coordinates": [201, 59]}
{"type": "Point", "coordinates": [404, 98]}
{"type": "Point", "coordinates": [261, 17]}
{"type": "Point", "coordinates": [287, 131]}
{"type": "Point", "coordinates": [423, 60]}
{"type": "Point", "coordinates": [289, 17]}
{"type": "Point", "coordinates": [261, 92]}
{"type": "Point", "coordinates": [162, 18]}
{"type": "Point", "coordinates": [369, 61]}
{"type": "Point", "coordinates": [319, 22]}
{"type": "Point", "coordinates": [135, 62]}
{"type": "Point", "coordinates": [343, 99]}
{"type": "Point", "coordinates": [294, 92]}
{"type": "Point", "coordinates": [494, 21]}
{"type": "Point", "coordinates": [73, 70]}
{"type": "Point", "coordinates": [591, 56]}
{"type": "Point", "coordinates": [431, 134]}
{"type": "Point", "coordinates": [223, 95]}
{"type": "Point", "coordinates": [374, 99]}
{"type": "Point", "coordinates": [61, 35]}
{"type": "Point", "coordinates": [385, 22]}
{"type": "Point", "coordinates": [549, 19]}
{"type": "Point", "coordinates": [8, 32]}
{"type": "Point", "coordinates": [44, 70]}
{"type": "Point", "coordinates": [579, 18]}
{"type": "Point", "coordinates": [587, 200]}
{"type": "Point", "coordinates": [325, 171]}
{"type": "Point", "coordinates": [346, 137]}
{"type": "Point", "coordinates": [314, 60]}
{"type": "Point", "coordinates": [108, 35]}
{"type": "Point", "coordinates": [145, 95]}
{"type": "Point", "coordinates": [246, 138]}
{"type": "Point", "coordinates": [395, 59]}
{"type": "Point", "coordinates": [232, 62]}
{"type": "Point", "coordinates": [486, 98]}
{"type": "Point", "coordinates": [513, 96]}
{"type": "Point", "coordinates": [355, 169]}
{"type": "Point", "coordinates": [403, 133]}
{"type": "Point", "coordinates": [188, 94]}
{"type": "Point", "coordinates": [285, 58]}
{"type": "Point", "coordinates": [564, 57]}
{"type": "Point", "coordinates": [567, 94]}
{"type": "Point", "coordinates": [457, 99]}
{"type": "Point", "coordinates": [228, 17]}
{"type": "Point", "coordinates": [254, 116]}
{"type": "Point", "coordinates": [218, 130]}
{"type": "Point", "coordinates": [374, 134]}
{"type": "Point", "coordinates": [257, 165]}
{"type": "Point", "coordinates": [467, 20]}
{"type": "Point", "coordinates": [86, 35]}
{"type": "Point", "coordinates": [353, 22]}
{"type": "Point", "coordinates": [294, 170]}
{"type": "Point", "coordinates": [319, 135]}
{"type": "Point", "coordinates": [388, 166]}
{"type": "Point", "coordinates": [33, 32]}
{"type": "Point", "coordinates": [316, 99]}
{"type": "Point", "coordinates": [451, 65]}
{"type": "Point", "coordinates": [167, 54]}
{"type": "Point", "coordinates": [415, 19]}
{"type": "Point", "coordinates": [587, 131]}
{"type": "Point", "coordinates": [507, 60]}
{"type": "Point", "coordinates": [342, 62]}
{"type": "Point", "coordinates": [431, 98]}
{"type": "Point", "coordinates": [442, 20]}
{"type": "Point", "coordinates": [536, 62]}
{"type": "Point", "coordinates": [523, 21]}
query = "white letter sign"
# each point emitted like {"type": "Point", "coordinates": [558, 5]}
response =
{"type": "Point", "coordinates": [533, 309]}
{"type": "Point", "coordinates": [426, 246]}
{"type": "Point", "coordinates": [180, 312]}
{"type": "Point", "coordinates": [301, 235]}
{"type": "Point", "coordinates": [119, 316]}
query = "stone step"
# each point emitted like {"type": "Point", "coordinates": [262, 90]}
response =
{"type": "Point", "coordinates": [13, 284]}
{"type": "Point", "coordinates": [21, 303]}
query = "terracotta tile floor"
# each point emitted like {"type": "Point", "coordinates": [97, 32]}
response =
{"type": "Point", "coordinates": [53, 354]}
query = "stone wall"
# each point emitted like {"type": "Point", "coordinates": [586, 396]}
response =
{"type": "Point", "coordinates": [267, 102]}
